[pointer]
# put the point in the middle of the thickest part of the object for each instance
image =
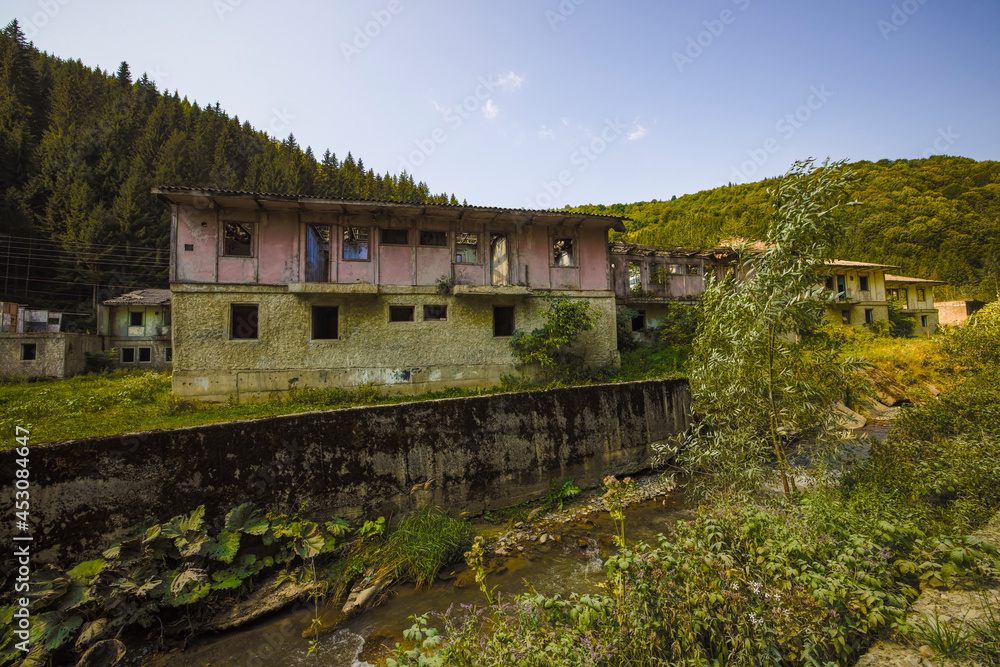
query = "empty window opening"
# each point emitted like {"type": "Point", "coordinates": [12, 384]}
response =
{"type": "Point", "coordinates": [135, 318]}
{"type": "Point", "coordinates": [466, 246]}
{"type": "Point", "coordinates": [842, 286]}
{"type": "Point", "coordinates": [920, 294]}
{"type": "Point", "coordinates": [317, 253]}
{"type": "Point", "coordinates": [145, 355]}
{"type": "Point", "coordinates": [503, 321]}
{"type": "Point", "coordinates": [635, 278]}
{"type": "Point", "coordinates": [923, 321]}
{"type": "Point", "coordinates": [659, 274]}
{"type": "Point", "coordinates": [168, 354]}
{"type": "Point", "coordinates": [499, 260]}
{"type": "Point", "coordinates": [438, 239]}
{"type": "Point", "coordinates": [238, 239]}
{"type": "Point", "coordinates": [243, 321]}
{"type": "Point", "coordinates": [325, 323]}
{"type": "Point", "coordinates": [562, 252]}
{"type": "Point", "coordinates": [863, 283]}
{"type": "Point", "coordinates": [829, 283]}
{"type": "Point", "coordinates": [869, 315]}
{"type": "Point", "coordinates": [693, 270]}
{"type": "Point", "coordinates": [845, 316]}
{"type": "Point", "coordinates": [128, 355]}
{"type": "Point", "coordinates": [401, 313]}
{"type": "Point", "coordinates": [639, 321]}
{"type": "Point", "coordinates": [395, 237]}
{"type": "Point", "coordinates": [356, 243]}
{"type": "Point", "coordinates": [29, 351]}
{"type": "Point", "coordinates": [435, 313]}
{"type": "Point", "coordinates": [188, 247]}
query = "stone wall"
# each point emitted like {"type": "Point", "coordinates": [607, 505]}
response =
{"type": "Point", "coordinates": [57, 355]}
{"type": "Point", "coordinates": [462, 454]}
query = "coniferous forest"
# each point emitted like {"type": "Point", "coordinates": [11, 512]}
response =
{"type": "Point", "coordinates": [80, 149]}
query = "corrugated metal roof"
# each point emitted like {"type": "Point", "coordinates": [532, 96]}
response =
{"type": "Point", "coordinates": [141, 297]}
{"type": "Point", "coordinates": [847, 264]}
{"type": "Point", "coordinates": [623, 248]}
{"type": "Point", "coordinates": [889, 278]}
{"type": "Point", "coordinates": [164, 192]}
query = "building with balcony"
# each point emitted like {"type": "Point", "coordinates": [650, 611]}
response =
{"type": "Point", "coordinates": [916, 296]}
{"type": "Point", "coordinates": [137, 326]}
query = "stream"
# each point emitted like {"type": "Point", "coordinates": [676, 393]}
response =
{"type": "Point", "coordinates": [569, 560]}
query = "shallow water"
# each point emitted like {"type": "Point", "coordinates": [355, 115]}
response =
{"type": "Point", "coordinates": [572, 564]}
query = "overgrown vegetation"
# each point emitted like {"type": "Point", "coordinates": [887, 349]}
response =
{"type": "Point", "coordinates": [551, 346]}
{"type": "Point", "coordinates": [552, 501]}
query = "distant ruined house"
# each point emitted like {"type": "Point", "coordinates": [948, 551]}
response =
{"type": "Point", "coordinates": [137, 326]}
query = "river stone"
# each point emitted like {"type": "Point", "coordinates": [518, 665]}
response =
{"type": "Point", "coordinates": [271, 596]}
{"type": "Point", "coordinates": [848, 418]}
{"type": "Point", "coordinates": [362, 598]}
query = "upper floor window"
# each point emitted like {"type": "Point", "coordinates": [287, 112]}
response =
{"type": "Point", "coordinates": [432, 238]}
{"type": "Point", "coordinates": [356, 243]}
{"type": "Point", "coordinates": [920, 294]}
{"type": "Point", "coordinates": [693, 270]}
{"type": "Point", "coordinates": [237, 239]}
{"type": "Point", "coordinates": [863, 282]}
{"type": "Point", "coordinates": [659, 274]}
{"type": "Point", "coordinates": [395, 237]}
{"type": "Point", "coordinates": [135, 318]}
{"type": "Point", "coordinates": [466, 248]}
{"type": "Point", "coordinates": [562, 252]}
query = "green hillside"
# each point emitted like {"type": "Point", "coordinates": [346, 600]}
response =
{"type": "Point", "coordinates": [936, 218]}
{"type": "Point", "coordinates": [80, 149]}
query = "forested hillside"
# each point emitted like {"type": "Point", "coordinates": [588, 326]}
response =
{"type": "Point", "coordinates": [936, 218]}
{"type": "Point", "coordinates": [80, 149]}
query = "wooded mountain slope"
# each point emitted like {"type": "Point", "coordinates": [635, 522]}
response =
{"type": "Point", "coordinates": [80, 149]}
{"type": "Point", "coordinates": [936, 218]}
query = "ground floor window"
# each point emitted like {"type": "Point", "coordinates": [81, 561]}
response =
{"type": "Point", "coordinates": [639, 321]}
{"type": "Point", "coordinates": [243, 321]}
{"type": "Point", "coordinates": [923, 321]}
{"type": "Point", "coordinates": [128, 355]}
{"type": "Point", "coordinates": [845, 316]}
{"type": "Point", "coordinates": [29, 351]}
{"type": "Point", "coordinates": [503, 321]}
{"type": "Point", "coordinates": [168, 354]}
{"type": "Point", "coordinates": [400, 313]}
{"type": "Point", "coordinates": [325, 323]}
{"type": "Point", "coordinates": [145, 355]}
{"type": "Point", "coordinates": [435, 313]}
{"type": "Point", "coordinates": [869, 315]}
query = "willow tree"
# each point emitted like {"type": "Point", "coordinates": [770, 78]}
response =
{"type": "Point", "coordinates": [762, 378]}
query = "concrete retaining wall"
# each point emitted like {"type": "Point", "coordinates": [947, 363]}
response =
{"type": "Point", "coordinates": [471, 454]}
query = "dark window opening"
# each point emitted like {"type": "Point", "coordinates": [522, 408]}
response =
{"type": "Point", "coordinates": [503, 321]}
{"type": "Point", "coordinates": [356, 243]}
{"type": "Point", "coordinates": [317, 253]}
{"type": "Point", "coordinates": [845, 316]}
{"type": "Point", "coordinates": [923, 321]}
{"type": "Point", "coordinates": [128, 355]}
{"type": "Point", "coordinates": [829, 283]}
{"type": "Point", "coordinates": [562, 252]}
{"type": "Point", "coordinates": [238, 239]}
{"type": "Point", "coordinates": [435, 313]}
{"type": "Point", "coordinates": [168, 354]}
{"type": "Point", "coordinates": [693, 270]}
{"type": "Point", "coordinates": [863, 283]}
{"type": "Point", "coordinates": [243, 322]}
{"type": "Point", "coordinates": [395, 236]}
{"type": "Point", "coordinates": [639, 321]}
{"type": "Point", "coordinates": [135, 318]}
{"type": "Point", "coordinates": [439, 239]}
{"type": "Point", "coordinates": [401, 313]}
{"type": "Point", "coordinates": [29, 351]}
{"type": "Point", "coordinates": [326, 323]}
{"type": "Point", "coordinates": [869, 315]}
{"type": "Point", "coordinates": [145, 355]}
{"type": "Point", "coordinates": [188, 247]}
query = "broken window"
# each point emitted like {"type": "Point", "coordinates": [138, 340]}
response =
{"type": "Point", "coordinates": [435, 313]}
{"type": "Point", "coordinates": [635, 279]}
{"type": "Point", "coordinates": [325, 323]}
{"type": "Point", "coordinates": [135, 318]}
{"type": "Point", "coordinates": [466, 247]}
{"type": "Point", "coordinates": [829, 283]}
{"type": "Point", "coordinates": [238, 239]}
{"type": "Point", "coordinates": [395, 237]}
{"type": "Point", "coordinates": [29, 351]}
{"type": "Point", "coordinates": [863, 282]}
{"type": "Point", "coordinates": [243, 321]}
{"type": "Point", "coordinates": [639, 321]}
{"type": "Point", "coordinates": [842, 286]}
{"type": "Point", "coordinates": [317, 253]}
{"type": "Point", "coordinates": [676, 269]}
{"type": "Point", "coordinates": [499, 261]}
{"type": "Point", "coordinates": [869, 315]}
{"type": "Point", "coordinates": [400, 313]}
{"type": "Point", "coordinates": [693, 270]}
{"type": "Point", "coordinates": [923, 321]}
{"type": "Point", "coordinates": [892, 294]}
{"type": "Point", "coordinates": [356, 243]}
{"type": "Point", "coordinates": [920, 294]}
{"type": "Point", "coordinates": [128, 355]}
{"type": "Point", "coordinates": [562, 252]}
{"type": "Point", "coordinates": [145, 355]}
{"type": "Point", "coordinates": [439, 239]}
{"type": "Point", "coordinates": [659, 274]}
{"type": "Point", "coordinates": [904, 297]}
{"type": "Point", "coordinates": [503, 321]}
{"type": "Point", "coordinates": [845, 316]}
{"type": "Point", "coordinates": [168, 354]}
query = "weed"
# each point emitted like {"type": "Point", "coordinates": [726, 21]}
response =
{"type": "Point", "coordinates": [947, 639]}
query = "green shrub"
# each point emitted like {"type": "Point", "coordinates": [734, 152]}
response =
{"type": "Point", "coordinates": [551, 345]}
{"type": "Point", "coordinates": [100, 362]}
{"type": "Point", "coordinates": [678, 327]}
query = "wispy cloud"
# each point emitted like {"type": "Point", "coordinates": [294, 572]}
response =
{"type": "Point", "coordinates": [638, 133]}
{"type": "Point", "coordinates": [510, 81]}
{"type": "Point", "coordinates": [490, 110]}
{"type": "Point", "coordinates": [546, 132]}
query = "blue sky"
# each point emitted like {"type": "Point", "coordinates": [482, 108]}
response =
{"type": "Point", "coordinates": [539, 103]}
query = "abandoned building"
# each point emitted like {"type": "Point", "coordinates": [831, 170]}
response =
{"type": "Point", "coordinates": [33, 345]}
{"type": "Point", "coordinates": [137, 326]}
{"type": "Point", "coordinates": [957, 312]}
{"type": "Point", "coordinates": [860, 292]}
{"type": "Point", "coordinates": [270, 292]}
{"type": "Point", "coordinates": [916, 296]}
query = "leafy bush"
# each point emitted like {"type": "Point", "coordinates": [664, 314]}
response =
{"type": "Point", "coordinates": [679, 325]}
{"type": "Point", "coordinates": [901, 323]}
{"type": "Point", "coordinates": [551, 346]}
{"type": "Point", "coordinates": [623, 330]}
{"type": "Point", "coordinates": [100, 362]}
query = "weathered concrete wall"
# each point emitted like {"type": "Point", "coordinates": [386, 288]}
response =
{"type": "Point", "coordinates": [57, 355]}
{"type": "Point", "coordinates": [471, 454]}
{"type": "Point", "coordinates": [407, 356]}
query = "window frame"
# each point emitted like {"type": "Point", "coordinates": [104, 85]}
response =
{"type": "Point", "coordinates": [869, 315]}
{"type": "Point", "coordinates": [420, 238]}
{"type": "Point", "coordinates": [233, 322]}
{"type": "Point", "coordinates": [384, 230]}
{"type": "Point", "coordinates": [443, 318]}
{"type": "Point", "coordinates": [250, 228]}
{"type": "Point", "coordinates": [475, 248]}
{"type": "Point", "coordinates": [139, 354]}
{"type": "Point", "coordinates": [313, 328]}
{"type": "Point", "coordinates": [121, 355]}
{"type": "Point", "coordinates": [366, 244]}
{"type": "Point", "coordinates": [863, 283]}
{"type": "Point", "coordinates": [168, 354]}
{"type": "Point", "coordinates": [557, 252]}
{"type": "Point", "coordinates": [25, 347]}
{"type": "Point", "coordinates": [845, 316]}
{"type": "Point", "coordinates": [513, 321]}
{"type": "Point", "coordinates": [396, 309]}
{"type": "Point", "coordinates": [639, 319]}
{"type": "Point", "coordinates": [921, 294]}
{"type": "Point", "coordinates": [131, 318]}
